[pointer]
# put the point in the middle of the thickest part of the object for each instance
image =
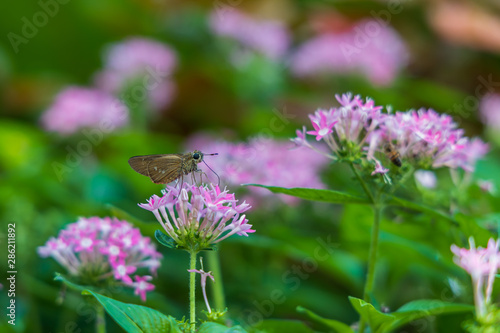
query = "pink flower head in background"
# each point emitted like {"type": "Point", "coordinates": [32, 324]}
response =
{"type": "Point", "coordinates": [370, 48]}
{"type": "Point", "coordinates": [359, 130]}
{"type": "Point", "coordinates": [490, 110]}
{"type": "Point", "coordinates": [347, 130]}
{"type": "Point", "coordinates": [99, 249]}
{"type": "Point", "coordinates": [432, 140]}
{"type": "Point", "coordinates": [196, 217]}
{"type": "Point", "coordinates": [269, 38]}
{"type": "Point", "coordinates": [267, 162]}
{"type": "Point", "coordinates": [77, 108]}
{"type": "Point", "coordinates": [482, 264]}
{"type": "Point", "coordinates": [148, 62]}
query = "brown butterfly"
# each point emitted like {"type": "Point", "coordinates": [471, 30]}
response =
{"type": "Point", "coordinates": [165, 168]}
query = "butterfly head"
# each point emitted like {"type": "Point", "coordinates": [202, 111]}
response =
{"type": "Point", "coordinates": [197, 156]}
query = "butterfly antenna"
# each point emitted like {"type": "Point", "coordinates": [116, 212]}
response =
{"type": "Point", "coordinates": [218, 178]}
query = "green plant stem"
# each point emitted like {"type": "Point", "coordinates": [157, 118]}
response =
{"type": "Point", "coordinates": [218, 287]}
{"type": "Point", "coordinates": [192, 289]}
{"type": "Point", "coordinates": [100, 320]}
{"type": "Point", "coordinates": [372, 258]}
{"type": "Point", "coordinates": [363, 184]}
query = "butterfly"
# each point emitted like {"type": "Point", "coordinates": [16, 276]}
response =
{"type": "Point", "coordinates": [165, 168]}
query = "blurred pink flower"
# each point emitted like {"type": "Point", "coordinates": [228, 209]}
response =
{"type": "Point", "coordinates": [490, 110]}
{"type": "Point", "coordinates": [199, 216]}
{"type": "Point", "coordinates": [262, 161]}
{"type": "Point", "coordinates": [426, 178]}
{"type": "Point", "coordinates": [76, 108]}
{"type": "Point", "coordinates": [370, 48]}
{"type": "Point", "coordinates": [267, 37]}
{"type": "Point", "coordinates": [142, 60]}
{"type": "Point", "coordinates": [487, 186]}
{"type": "Point", "coordinates": [482, 264]}
{"type": "Point", "coordinates": [96, 249]}
{"type": "Point", "coordinates": [142, 286]}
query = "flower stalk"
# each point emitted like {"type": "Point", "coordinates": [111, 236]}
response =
{"type": "Point", "coordinates": [192, 290]}
{"type": "Point", "coordinates": [100, 321]}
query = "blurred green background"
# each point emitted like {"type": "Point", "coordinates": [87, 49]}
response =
{"type": "Point", "coordinates": [213, 96]}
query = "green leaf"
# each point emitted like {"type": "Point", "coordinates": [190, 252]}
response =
{"type": "Point", "coordinates": [282, 326]}
{"type": "Point", "coordinates": [71, 285]}
{"type": "Point", "coordinates": [425, 308]}
{"type": "Point", "coordinates": [395, 201]}
{"type": "Point", "coordinates": [165, 240]}
{"type": "Point", "coordinates": [377, 320]}
{"type": "Point", "coordinates": [335, 325]}
{"type": "Point", "coordinates": [388, 322]}
{"type": "Point", "coordinates": [210, 327]}
{"type": "Point", "coordinates": [316, 194]}
{"type": "Point", "coordinates": [136, 318]}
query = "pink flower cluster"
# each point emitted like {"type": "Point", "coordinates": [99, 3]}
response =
{"type": "Point", "coordinates": [99, 249]}
{"type": "Point", "coordinates": [482, 264]}
{"type": "Point", "coordinates": [370, 48]}
{"type": "Point", "coordinates": [267, 37]}
{"type": "Point", "coordinates": [433, 139]}
{"type": "Point", "coordinates": [196, 217]}
{"type": "Point", "coordinates": [267, 162]}
{"type": "Point", "coordinates": [148, 61]}
{"type": "Point", "coordinates": [75, 108]}
{"type": "Point", "coordinates": [359, 129]}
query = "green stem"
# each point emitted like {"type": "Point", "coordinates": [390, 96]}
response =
{"type": "Point", "coordinates": [192, 289]}
{"type": "Point", "coordinates": [100, 320]}
{"type": "Point", "coordinates": [218, 287]}
{"type": "Point", "coordinates": [372, 258]}
{"type": "Point", "coordinates": [362, 182]}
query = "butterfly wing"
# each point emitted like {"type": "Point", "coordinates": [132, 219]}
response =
{"type": "Point", "coordinates": [165, 169]}
{"type": "Point", "coordinates": [162, 168]}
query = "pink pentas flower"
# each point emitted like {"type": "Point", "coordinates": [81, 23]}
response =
{"type": "Point", "coordinates": [77, 108]}
{"type": "Point", "coordinates": [379, 56]}
{"type": "Point", "coordinates": [122, 271]}
{"type": "Point", "coordinates": [430, 139]}
{"type": "Point", "coordinates": [103, 249]}
{"type": "Point", "coordinates": [142, 286]}
{"type": "Point", "coordinates": [351, 129]}
{"type": "Point", "coordinates": [322, 123]}
{"type": "Point", "coordinates": [204, 276]}
{"type": "Point", "coordinates": [191, 218]}
{"type": "Point", "coordinates": [263, 161]}
{"type": "Point", "coordinates": [270, 38]}
{"type": "Point", "coordinates": [360, 130]}
{"type": "Point", "coordinates": [146, 61]}
{"type": "Point", "coordinates": [482, 264]}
